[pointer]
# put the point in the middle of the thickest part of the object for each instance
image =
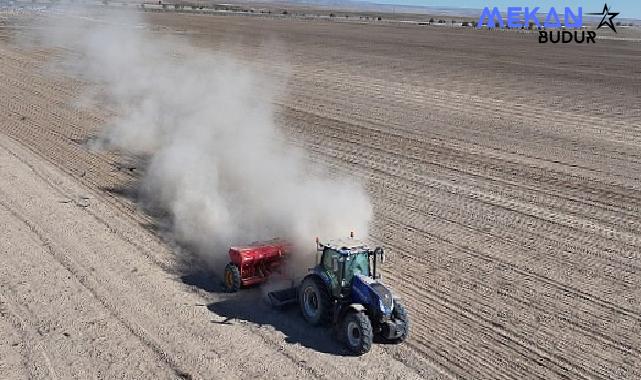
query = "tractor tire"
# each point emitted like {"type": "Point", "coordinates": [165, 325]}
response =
{"type": "Point", "coordinates": [314, 301]}
{"type": "Point", "coordinates": [357, 332]}
{"type": "Point", "coordinates": [400, 313]}
{"type": "Point", "coordinates": [232, 278]}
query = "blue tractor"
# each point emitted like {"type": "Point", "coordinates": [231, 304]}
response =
{"type": "Point", "coordinates": [344, 290]}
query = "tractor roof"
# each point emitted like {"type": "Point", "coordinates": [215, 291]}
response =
{"type": "Point", "coordinates": [348, 243]}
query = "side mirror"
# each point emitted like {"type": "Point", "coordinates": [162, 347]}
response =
{"type": "Point", "coordinates": [379, 251]}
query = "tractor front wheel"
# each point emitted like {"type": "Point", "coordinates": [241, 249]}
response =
{"type": "Point", "coordinates": [314, 300]}
{"type": "Point", "coordinates": [358, 332]}
{"type": "Point", "coordinates": [400, 314]}
{"type": "Point", "coordinates": [232, 278]}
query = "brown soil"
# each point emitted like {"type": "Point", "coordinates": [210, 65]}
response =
{"type": "Point", "coordinates": [505, 177]}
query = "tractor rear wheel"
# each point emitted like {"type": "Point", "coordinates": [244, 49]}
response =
{"type": "Point", "coordinates": [314, 300]}
{"type": "Point", "coordinates": [232, 278]}
{"type": "Point", "coordinates": [357, 329]}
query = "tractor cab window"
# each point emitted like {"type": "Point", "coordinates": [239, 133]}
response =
{"type": "Point", "coordinates": [328, 256]}
{"type": "Point", "coordinates": [357, 264]}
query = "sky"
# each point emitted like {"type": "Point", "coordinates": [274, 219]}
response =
{"type": "Point", "coordinates": [627, 8]}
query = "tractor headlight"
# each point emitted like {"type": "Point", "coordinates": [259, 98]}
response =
{"type": "Point", "coordinates": [386, 307]}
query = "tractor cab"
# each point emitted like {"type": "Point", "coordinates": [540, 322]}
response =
{"type": "Point", "coordinates": [343, 260]}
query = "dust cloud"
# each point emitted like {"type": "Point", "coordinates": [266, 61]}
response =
{"type": "Point", "coordinates": [218, 163]}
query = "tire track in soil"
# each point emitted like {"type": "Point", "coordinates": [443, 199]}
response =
{"type": "Point", "coordinates": [387, 203]}
{"type": "Point", "coordinates": [82, 276]}
{"type": "Point", "coordinates": [14, 314]}
{"type": "Point", "coordinates": [401, 176]}
{"type": "Point", "coordinates": [138, 331]}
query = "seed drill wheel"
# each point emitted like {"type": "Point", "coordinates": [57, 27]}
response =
{"type": "Point", "coordinates": [358, 332]}
{"type": "Point", "coordinates": [314, 301]}
{"type": "Point", "coordinates": [232, 278]}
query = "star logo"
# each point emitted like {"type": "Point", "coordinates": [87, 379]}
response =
{"type": "Point", "coordinates": [607, 18]}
